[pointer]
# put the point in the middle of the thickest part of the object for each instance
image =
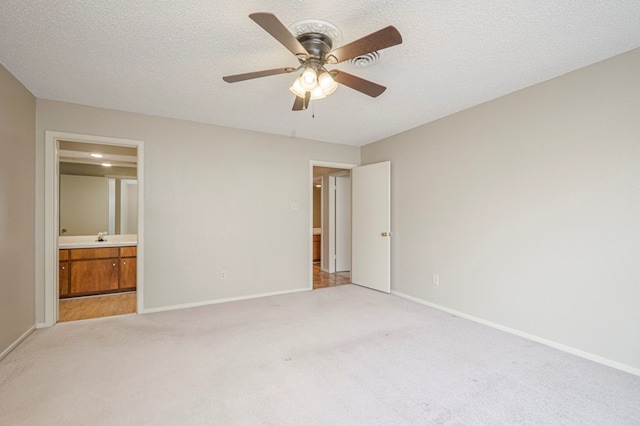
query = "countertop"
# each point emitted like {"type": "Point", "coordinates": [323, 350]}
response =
{"type": "Point", "coordinates": [89, 241]}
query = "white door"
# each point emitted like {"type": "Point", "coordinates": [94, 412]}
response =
{"type": "Point", "coordinates": [371, 226]}
{"type": "Point", "coordinates": [343, 223]}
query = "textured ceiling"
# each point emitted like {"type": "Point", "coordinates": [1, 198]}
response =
{"type": "Point", "coordinates": [167, 58]}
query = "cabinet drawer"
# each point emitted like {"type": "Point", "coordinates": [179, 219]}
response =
{"type": "Point", "coordinates": [94, 253]}
{"type": "Point", "coordinates": [128, 251]}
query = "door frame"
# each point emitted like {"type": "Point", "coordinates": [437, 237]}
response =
{"type": "Point", "coordinates": [51, 216]}
{"type": "Point", "coordinates": [333, 218]}
{"type": "Point", "coordinates": [312, 164]}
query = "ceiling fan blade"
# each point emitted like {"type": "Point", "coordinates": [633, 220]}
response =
{"type": "Point", "coordinates": [356, 83]}
{"type": "Point", "coordinates": [256, 74]}
{"type": "Point", "coordinates": [300, 104]}
{"type": "Point", "coordinates": [273, 26]}
{"type": "Point", "coordinates": [381, 39]}
{"type": "Point", "coordinates": [307, 99]}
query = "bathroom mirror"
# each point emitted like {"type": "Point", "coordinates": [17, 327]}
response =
{"type": "Point", "coordinates": [97, 189]}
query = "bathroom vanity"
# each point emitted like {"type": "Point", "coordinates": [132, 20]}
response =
{"type": "Point", "coordinates": [96, 268]}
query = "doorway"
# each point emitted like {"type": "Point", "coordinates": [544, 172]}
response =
{"type": "Point", "coordinates": [331, 224]}
{"type": "Point", "coordinates": [97, 195]}
{"type": "Point", "coordinates": [119, 257]}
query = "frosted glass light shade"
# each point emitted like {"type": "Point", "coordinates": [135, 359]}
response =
{"type": "Point", "coordinates": [297, 89]}
{"type": "Point", "coordinates": [326, 82]}
{"type": "Point", "coordinates": [309, 79]}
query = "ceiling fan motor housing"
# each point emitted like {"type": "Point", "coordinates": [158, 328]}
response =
{"type": "Point", "coordinates": [318, 45]}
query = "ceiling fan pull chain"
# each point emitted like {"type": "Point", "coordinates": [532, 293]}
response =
{"type": "Point", "coordinates": [313, 110]}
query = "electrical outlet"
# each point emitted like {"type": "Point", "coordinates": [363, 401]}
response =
{"type": "Point", "coordinates": [435, 279]}
{"type": "Point", "coordinates": [223, 275]}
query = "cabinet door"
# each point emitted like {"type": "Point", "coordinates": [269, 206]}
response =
{"type": "Point", "coordinates": [63, 278]}
{"type": "Point", "coordinates": [90, 276]}
{"type": "Point", "coordinates": [128, 270]}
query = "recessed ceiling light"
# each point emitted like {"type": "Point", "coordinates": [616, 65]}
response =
{"type": "Point", "coordinates": [96, 155]}
{"type": "Point", "coordinates": [107, 164]}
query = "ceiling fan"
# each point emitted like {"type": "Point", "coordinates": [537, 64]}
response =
{"type": "Point", "coordinates": [313, 47]}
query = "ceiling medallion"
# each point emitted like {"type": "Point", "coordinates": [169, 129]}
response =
{"type": "Point", "coordinates": [317, 26]}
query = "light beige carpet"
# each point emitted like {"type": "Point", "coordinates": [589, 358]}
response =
{"type": "Point", "coordinates": [337, 356]}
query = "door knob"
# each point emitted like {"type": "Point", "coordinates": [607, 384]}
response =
{"type": "Point", "coordinates": [386, 234]}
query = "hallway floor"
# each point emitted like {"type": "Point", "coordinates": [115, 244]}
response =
{"type": "Point", "coordinates": [324, 279]}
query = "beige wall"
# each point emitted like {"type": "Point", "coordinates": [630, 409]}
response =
{"type": "Point", "coordinates": [17, 211]}
{"type": "Point", "coordinates": [215, 199]}
{"type": "Point", "coordinates": [528, 208]}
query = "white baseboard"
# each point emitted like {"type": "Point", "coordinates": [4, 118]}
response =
{"type": "Point", "coordinates": [17, 342]}
{"type": "Point", "coordinates": [555, 345]}
{"type": "Point", "coordinates": [214, 302]}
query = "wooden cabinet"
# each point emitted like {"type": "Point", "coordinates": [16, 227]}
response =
{"type": "Point", "coordinates": [128, 268]}
{"type": "Point", "coordinates": [87, 271]}
{"type": "Point", "coordinates": [316, 248]}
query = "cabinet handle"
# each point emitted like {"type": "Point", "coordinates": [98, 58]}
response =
{"type": "Point", "coordinates": [124, 263]}
{"type": "Point", "coordinates": [63, 268]}
{"type": "Point", "coordinates": [114, 264]}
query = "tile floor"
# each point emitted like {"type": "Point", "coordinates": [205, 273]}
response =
{"type": "Point", "coordinates": [324, 279]}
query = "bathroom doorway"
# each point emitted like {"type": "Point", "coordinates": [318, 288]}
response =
{"type": "Point", "coordinates": [93, 249]}
{"type": "Point", "coordinates": [97, 223]}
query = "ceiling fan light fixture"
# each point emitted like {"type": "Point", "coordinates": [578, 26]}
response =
{"type": "Point", "coordinates": [316, 93]}
{"type": "Point", "coordinates": [327, 83]}
{"type": "Point", "coordinates": [309, 79]}
{"type": "Point", "coordinates": [296, 88]}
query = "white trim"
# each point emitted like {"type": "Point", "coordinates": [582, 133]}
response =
{"type": "Point", "coordinates": [555, 345]}
{"type": "Point", "coordinates": [312, 164]}
{"type": "Point", "coordinates": [331, 230]}
{"type": "Point", "coordinates": [17, 342]}
{"type": "Point", "coordinates": [217, 301]}
{"type": "Point", "coordinates": [51, 216]}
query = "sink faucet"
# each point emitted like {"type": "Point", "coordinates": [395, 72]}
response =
{"type": "Point", "coordinates": [101, 236]}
